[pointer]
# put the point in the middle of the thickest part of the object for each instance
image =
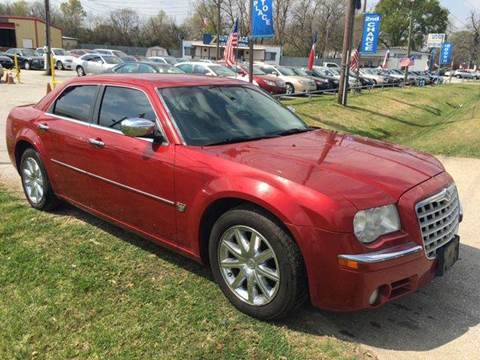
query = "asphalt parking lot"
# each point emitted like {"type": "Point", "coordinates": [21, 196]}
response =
{"type": "Point", "coordinates": [441, 321]}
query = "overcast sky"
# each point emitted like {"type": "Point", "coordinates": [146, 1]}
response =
{"type": "Point", "coordinates": [181, 9]}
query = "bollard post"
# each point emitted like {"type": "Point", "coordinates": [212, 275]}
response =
{"type": "Point", "coordinates": [17, 68]}
{"type": "Point", "coordinates": [52, 69]}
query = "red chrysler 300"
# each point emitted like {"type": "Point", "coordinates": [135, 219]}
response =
{"type": "Point", "coordinates": [219, 171]}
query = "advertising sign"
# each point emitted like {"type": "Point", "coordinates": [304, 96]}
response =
{"type": "Point", "coordinates": [446, 54]}
{"type": "Point", "coordinates": [262, 19]}
{"type": "Point", "coordinates": [435, 40]}
{"type": "Point", "coordinates": [371, 32]}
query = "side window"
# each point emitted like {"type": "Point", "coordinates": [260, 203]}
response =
{"type": "Point", "coordinates": [200, 69]}
{"type": "Point", "coordinates": [145, 68]}
{"type": "Point", "coordinates": [267, 70]}
{"type": "Point", "coordinates": [120, 103]}
{"type": "Point", "coordinates": [128, 68]}
{"type": "Point", "coordinates": [186, 67]}
{"type": "Point", "coordinates": [76, 102]}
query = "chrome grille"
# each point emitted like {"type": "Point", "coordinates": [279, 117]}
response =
{"type": "Point", "coordinates": [439, 217]}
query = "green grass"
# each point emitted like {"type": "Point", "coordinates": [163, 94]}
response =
{"type": "Point", "coordinates": [72, 286]}
{"type": "Point", "coordinates": [441, 120]}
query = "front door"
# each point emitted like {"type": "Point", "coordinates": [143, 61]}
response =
{"type": "Point", "coordinates": [133, 176]}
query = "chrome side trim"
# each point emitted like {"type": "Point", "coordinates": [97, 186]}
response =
{"type": "Point", "coordinates": [385, 255]}
{"type": "Point", "coordinates": [169, 202]}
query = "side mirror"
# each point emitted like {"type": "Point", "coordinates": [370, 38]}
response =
{"type": "Point", "coordinates": [137, 127]}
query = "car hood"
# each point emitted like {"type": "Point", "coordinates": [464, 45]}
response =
{"type": "Point", "coordinates": [366, 172]}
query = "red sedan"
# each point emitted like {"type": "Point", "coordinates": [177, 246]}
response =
{"type": "Point", "coordinates": [219, 171]}
{"type": "Point", "coordinates": [270, 83]}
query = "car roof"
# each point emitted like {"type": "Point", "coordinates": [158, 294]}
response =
{"type": "Point", "coordinates": [157, 80]}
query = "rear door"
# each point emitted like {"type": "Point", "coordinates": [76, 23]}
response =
{"type": "Point", "coordinates": [133, 176]}
{"type": "Point", "coordinates": [66, 134]}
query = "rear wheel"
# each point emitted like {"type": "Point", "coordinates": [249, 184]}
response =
{"type": "Point", "coordinates": [27, 65]}
{"type": "Point", "coordinates": [36, 184]}
{"type": "Point", "coordinates": [80, 71]}
{"type": "Point", "coordinates": [59, 65]}
{"type": "Point", "coordinates": [257, 264]}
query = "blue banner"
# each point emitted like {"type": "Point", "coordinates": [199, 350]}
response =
{"type": "Point", "coordinates": [262, 19]}
{"type": "Point", "coordinates": [446, 54]}
{"type": "Point", "coordinates": [371, 32]}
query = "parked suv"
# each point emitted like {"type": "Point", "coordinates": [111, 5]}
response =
{"type": "Point", "coordinates": [293, 83]}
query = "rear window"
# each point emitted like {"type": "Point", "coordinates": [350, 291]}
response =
{"type": "Point", "coordinates": [76, 102]}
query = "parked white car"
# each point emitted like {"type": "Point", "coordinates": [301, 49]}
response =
{"type": "Point", "coordinates": [61, 58]}
{"type": "Point", "coordinates": [95, 63]}
{"type": "Point", "coordinates": [201, 68]}
{"type": "Point", "coordinates": [169, 60]}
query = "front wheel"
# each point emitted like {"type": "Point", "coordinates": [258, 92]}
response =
{"type": "Point", "coordinates": [80, 71]}
{"type": "Point", "coordinates": [59, 65]}
{"type": "Point", "coordinates": [36, 184]}
{"type": "Point", "coordinates": [257, 264]}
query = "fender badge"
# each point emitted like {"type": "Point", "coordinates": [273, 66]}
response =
{"type": "Point", "coordinates": [181, 206]}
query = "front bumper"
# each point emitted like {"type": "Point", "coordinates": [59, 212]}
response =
{"type": "Point", "coordinates": [395, 265]}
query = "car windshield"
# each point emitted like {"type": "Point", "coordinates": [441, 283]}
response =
{"type": "Point", "coordinates": [211, 115]}
{"type": "Point", "coordinates": [59, 52]}
{"type": "Point", "coordinates": [334, 71]}
{"type": "Point", "coordinates": [119, 53]}
{"type": "Point", "coordinates": [301, 72]}
{"type": "Point", "coordinates": [286, 71]}
{"type": "Point", "coordinates": [258, 71]}
{"type": "Point", "coordinates": [168, 69]}
{"type": "Point", "coordinates": [171, 60]}
{"type": "Point", "coordinates": [28, 52]}
{"type": "Point", "coordinates": [222, 71]}
{"type": "Point", "coordinates": [112, 60]}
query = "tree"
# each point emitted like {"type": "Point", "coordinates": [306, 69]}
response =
{"type": "Point", "coordinates": [428, 17]}
{"type": "Point", "coordinates": [73, 17]}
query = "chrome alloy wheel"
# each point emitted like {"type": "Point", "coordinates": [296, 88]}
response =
{"type": "Point", "coordinates": [33, 180]}
{"type": "Point", "coordinates": [248, 265]}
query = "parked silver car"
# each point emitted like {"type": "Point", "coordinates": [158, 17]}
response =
{"type": "Point", "coordinates": [95, 63]}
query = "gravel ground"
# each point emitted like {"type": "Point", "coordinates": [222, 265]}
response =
{"type": "Point", "coordinates": [440, 321]}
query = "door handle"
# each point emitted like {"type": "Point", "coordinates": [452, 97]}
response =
{"type": "Point", "coordinates": [96, 142]}
{"type": "Point", "coordinates": [43, 127]}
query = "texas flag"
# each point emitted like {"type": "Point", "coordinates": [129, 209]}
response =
{"type": "Point", "coordinates": [311, 57]}
{"type": "Point", "coordinates": [407, 62]}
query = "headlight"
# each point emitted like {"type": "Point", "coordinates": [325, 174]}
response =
{"type": "Point", "coordinates": [370, 224]}
{"type": "Point", "coordinates": [280, 83]}
{"type": "Point", "coordinates": [270, 83]}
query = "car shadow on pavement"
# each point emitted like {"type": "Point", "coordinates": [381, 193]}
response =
{"type": "Point", "coordinates": [433, 316]}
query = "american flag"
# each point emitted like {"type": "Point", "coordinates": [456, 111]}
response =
{"type": "Point", "coordinates": [232, 43]}
{"type": "Point", "coordinates": [385, 60]}
{"type": "Point", "coordinates": [407, 62]}
{"type": "Point", "coordinates": [355, 61]}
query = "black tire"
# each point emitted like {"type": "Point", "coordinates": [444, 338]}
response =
{"type": "Point", "coordinates": [59, 65]}
{"type": "Point", "coordinates": [27, 65]}
{"type": "Point", "coordinates": [290, 89]}
{"type": "Point", "coordinates": [48, 200]}
{"type": "Point", "coordinates": [80, 71]}
{"type": "Point", "coordinates": [292, 286]}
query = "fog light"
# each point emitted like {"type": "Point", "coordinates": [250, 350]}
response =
{"type": "Point", "coordinates": [374, 297]}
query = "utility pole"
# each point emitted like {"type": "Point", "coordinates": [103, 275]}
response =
{"type": "Point", "coordinates": [409, 48]}
{"type": "Point", "coordinates": [347, 46]}
{"type": "Point", "coordinates": [47, 38]}
{"type": "Point", "coordinates": [250, 45]}
{"type": "Point", "coordinates": [219, 19]}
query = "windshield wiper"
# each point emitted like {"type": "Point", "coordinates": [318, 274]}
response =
{"type": "Point", "coordinates": [233, 140]}
{"type": "Point", "coordinates": [293, 131]}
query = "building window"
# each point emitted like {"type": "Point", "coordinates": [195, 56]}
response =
{"type": "Point", "coordinates": [270, 56]}
{"type": "Point", "coordinates": [187, 50]}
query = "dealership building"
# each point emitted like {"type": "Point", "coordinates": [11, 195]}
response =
{"type": "Point", "coordinates": [207, 49]}
{"type": "Point", "coordinates": [421, 59]}
{"type": "Point", "coordinates": [26, 32]}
